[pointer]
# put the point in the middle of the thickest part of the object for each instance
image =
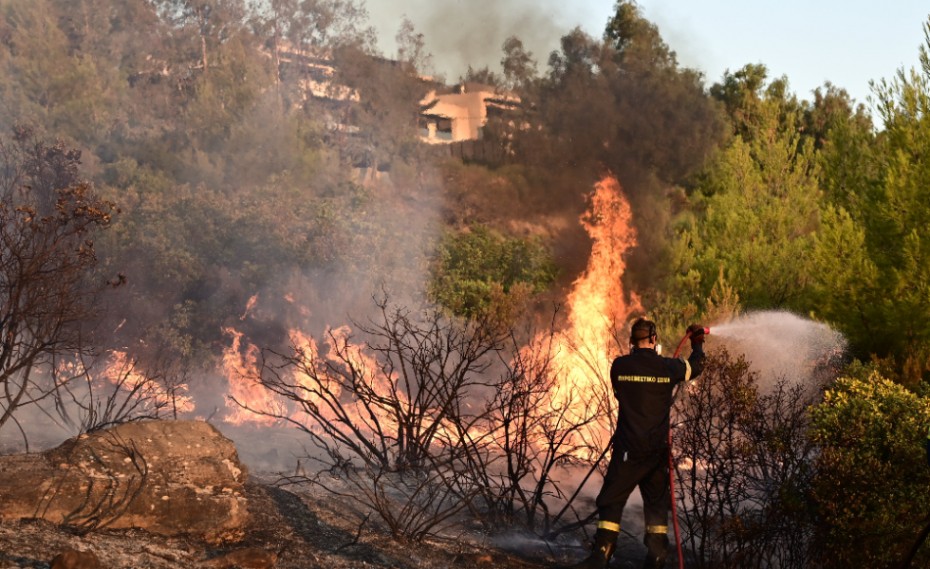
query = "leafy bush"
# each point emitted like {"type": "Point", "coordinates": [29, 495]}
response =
{"type": "Point", "coordinates": [480, 271]}
{"type": "Point", "coordinates": [871, 484]}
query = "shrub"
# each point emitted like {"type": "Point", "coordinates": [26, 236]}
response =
{"type": "Point", "coordinates": [871, 484]}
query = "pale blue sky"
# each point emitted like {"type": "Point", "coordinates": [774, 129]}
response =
{"type": "Point", "coordinates": [848, 42]}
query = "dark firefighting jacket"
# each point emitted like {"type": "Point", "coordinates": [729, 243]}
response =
{"type": "Point", "coordinates": [643, 382]}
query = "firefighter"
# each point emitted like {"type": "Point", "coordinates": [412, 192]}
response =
{"type": "Point", "coordinates": [643, 382]}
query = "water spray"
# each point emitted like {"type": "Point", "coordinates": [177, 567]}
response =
{"type": "Point", "coordinates": [783, 346]}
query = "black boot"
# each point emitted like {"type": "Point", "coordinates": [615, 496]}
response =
{"type": "Point", "coordinates": [657, 550]}
{"type": "Point", "coordinates": [605, 542]}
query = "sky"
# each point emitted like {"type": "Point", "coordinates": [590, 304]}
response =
{"type": "Point", "coordinates": [846, 42]}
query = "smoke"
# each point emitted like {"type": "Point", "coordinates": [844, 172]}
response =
{"type": "Point", "coordinates": [569, 545]}
{"type": "Point", "coordinates": [460, 33]}
{"type": "Point", "coordinates": [36, 429]}
{"type": "Point", "coordinates": [781, 345]}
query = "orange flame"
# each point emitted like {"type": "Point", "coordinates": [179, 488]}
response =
{"type": "Point", "coordinates": [597, 302]}
{"type": "Point", "coordinates": [239, 364]}
{"type": "Point", "coordinates": [370, 374]}
{"type": "Point", "coordinates": [121, 371]}
{"type": "Point", "coordinates": [596, 305]}
{"type": "Point", "coordinates": [307, 351]}
{"type": "Point", "coordinates": [253, 300]}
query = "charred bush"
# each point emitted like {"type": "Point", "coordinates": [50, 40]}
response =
{"type": "Point", "coordinates": [384, 415]}
{"type": "Point", "coordinates": [430, 417]}
{"type": "Point", "coordinates": [745, 465]}
{"type": "Point", "coordinates": [115, 390]}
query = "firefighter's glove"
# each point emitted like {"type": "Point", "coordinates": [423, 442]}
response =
{"type": "Point", "coordinates": [696, 332]}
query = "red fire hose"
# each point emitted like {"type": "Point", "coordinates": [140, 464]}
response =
{"type": "Point", "coordinates": [671, 464]}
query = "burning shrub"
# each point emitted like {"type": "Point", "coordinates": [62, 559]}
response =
{"type": "Point", "coordinates": [388, 418]}
{"type": "Point", "coordinates": [430, 417]}
{"type": "Point", "coordinates": [432, 414]}
{"type": "Point", "coordinates": [121, 391]}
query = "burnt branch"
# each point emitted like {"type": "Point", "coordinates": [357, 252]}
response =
{"type": "Point", "coordinates": [427, 416]}
{"type": "Point", "coordinates": [94, 392]}
{"type": "Point", "coordinates": [744, 469]}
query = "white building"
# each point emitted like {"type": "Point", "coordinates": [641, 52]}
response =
{"type": "Point", "coordinates": [461, 114]}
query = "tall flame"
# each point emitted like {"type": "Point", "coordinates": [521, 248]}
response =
{"type": "Point", "coordinates": [381, 384]}
{"type": "Point", "coordinates": [597, 302]}
{"type": "Point", "coordinates": [597, 306]}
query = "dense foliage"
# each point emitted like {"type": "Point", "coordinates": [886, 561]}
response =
{"type": "Point", "coordinates": [481, 270]}
{"type": "Point", "coordinates": [871, 487]}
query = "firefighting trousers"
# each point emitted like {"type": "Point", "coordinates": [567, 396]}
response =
{"type": "Point", "coordinates": [650, 473]}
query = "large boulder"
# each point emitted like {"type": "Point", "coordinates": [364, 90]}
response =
{"type": "Point", "coordinates": [167, 477]}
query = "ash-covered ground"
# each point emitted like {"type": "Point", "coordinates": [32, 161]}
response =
{"type": "Point", "coordinates": [301, 526]}
{"type": "Point", "coordinates": [304, 530]}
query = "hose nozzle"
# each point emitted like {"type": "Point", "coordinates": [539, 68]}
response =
{"type": "Point", "coordinates": [695, 328]}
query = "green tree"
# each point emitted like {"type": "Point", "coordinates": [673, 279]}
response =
{"type": "Point", "coordinates": [518, 65]}
{"type": "Point", "coordinates": [386, 106]}
{"type": "Point", "coordinates": [480, 271]}
{"type": "Point", "coordinates": [221, 101]}
{"type": "Point", "coordinates": [308, 28]}
{"type": "Point", "coordinates": [621, 104]}
{"type": "Point", "coordinates": [831, 110]}
{"type": "Point", "coordinates": [218, 71]}
{"type": "Point", "coordinates": [844, 282]}
{"type": "Point", "coordinates": [761, 214]}
{"type": "Point", "coordinates": [206, 24]}
{"type": "Point", "coordinates": [881, 225]}
{"type": "Point", "coordinates": [898, 223]}
{"type": "Point", "coordinates": [64, 93]}
{"type": "Point", "coordinates": [870, 489]}
{"type": "Point", "coordinates": [626, 24]}
{"type": "Point", "coordinates": [748, 98]}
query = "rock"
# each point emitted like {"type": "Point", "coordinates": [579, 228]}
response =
{"type": "Point", "coordinates": [74, 559]}
{"type": "Point", "coordinates": [167, 477]}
